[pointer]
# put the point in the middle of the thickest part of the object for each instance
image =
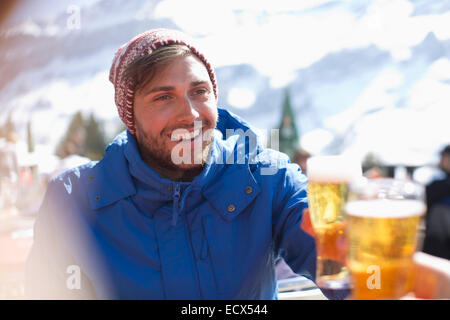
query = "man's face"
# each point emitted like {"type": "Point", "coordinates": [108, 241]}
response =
{"type": "Point", "coordinates": [180, 94]}
{"type": "Point", "coordinates": [444, 164]}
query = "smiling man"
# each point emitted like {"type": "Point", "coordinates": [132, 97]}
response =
{"type": "Point", "coordinates": [182, 206]}
{"type": "Point", "coordinates": [170, 99]}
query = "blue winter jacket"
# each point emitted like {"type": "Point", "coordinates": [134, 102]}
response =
{"type": "Point", "coordinates": [115, 229]}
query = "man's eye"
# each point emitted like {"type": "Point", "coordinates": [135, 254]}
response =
{"type": "Point", "coordinates": [200, 91]}
{"type": "Point", "coordinates": [162, 97]}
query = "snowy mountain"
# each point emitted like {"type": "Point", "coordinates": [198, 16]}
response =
{"type": "Point", "coordinates": [353, 89]}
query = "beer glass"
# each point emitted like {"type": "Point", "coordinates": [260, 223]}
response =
{"type": "Point", "coordinates": [383, 218]}
{"type": "Point", "coordinates": [328, 179]}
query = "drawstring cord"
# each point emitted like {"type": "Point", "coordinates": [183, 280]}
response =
{"type": "Point", "coordinates": [176, 202]}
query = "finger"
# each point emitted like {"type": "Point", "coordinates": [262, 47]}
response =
{"type": "Point", "coordinates": [432, 277]}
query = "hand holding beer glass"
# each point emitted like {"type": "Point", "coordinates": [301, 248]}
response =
{"type": "Point", "coordinates": [383, 216]}
{"type": "Point", "coordinates": [328, 179]}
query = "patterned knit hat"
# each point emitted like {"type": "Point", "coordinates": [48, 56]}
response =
{"type": "Point", "coordinates": [144, 44]}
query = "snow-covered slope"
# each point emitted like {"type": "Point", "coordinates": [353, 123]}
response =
{"type": "Point", "coordinates": [364, 76]}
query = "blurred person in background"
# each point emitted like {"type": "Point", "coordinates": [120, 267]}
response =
{"type": "Point", "coordinates": [437, 232]}
{"type": "Point", "coordinates": [300, 158]}
{"type": "Point", "coordinates": [373, 173]}
{"type": "Point", "coordinates": [8, 177]}
{"type": "Point", "coordinates": [9, 171]}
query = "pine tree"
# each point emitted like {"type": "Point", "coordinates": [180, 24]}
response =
{"type": "Point", "coordinates": [73, 141]}
{"type": "Point", "coordinates": [289, 137]}
{"type": "Point", "coordinates": [95, 141]}
{"type": "Point", "coordinates": [84, 138]}
{"type": "Point", "coordinates": [9, 130]}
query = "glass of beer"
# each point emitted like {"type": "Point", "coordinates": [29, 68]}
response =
{"type": "Point", "coordinates": [328, 179]}
{"type": "Point", "coordinates": [383, 218]}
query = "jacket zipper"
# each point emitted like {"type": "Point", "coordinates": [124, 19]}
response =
{"type": "Point", "coordinates": [176, 209]}
{"type": "Point", "coordinates": [176, 203]}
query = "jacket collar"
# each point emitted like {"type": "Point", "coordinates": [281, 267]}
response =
{"type": "Point", "coordinates": [141, 172]}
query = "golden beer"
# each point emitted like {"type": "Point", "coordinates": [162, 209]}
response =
{"type": "Point", "coordinates": [382, 238]}
{"type": "Point", "coordinates": [327, 191]}
{"type": "Point", "coordinates": [326, 204]}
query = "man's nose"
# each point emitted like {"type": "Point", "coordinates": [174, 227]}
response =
{"type": "Point", "coordinates": [188, 112]}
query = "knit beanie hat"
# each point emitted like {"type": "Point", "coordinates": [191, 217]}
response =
{"type": "Point", "coordinates": [144, 44]}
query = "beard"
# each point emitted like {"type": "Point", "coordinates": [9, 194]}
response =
{"type": "Point", "coordinates": [158, 151]}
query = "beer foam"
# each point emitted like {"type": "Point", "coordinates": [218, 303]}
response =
{"type": "Point", "coordinates": [333, 169]}
{"type": "Point", "coordinates": [385, 208]}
